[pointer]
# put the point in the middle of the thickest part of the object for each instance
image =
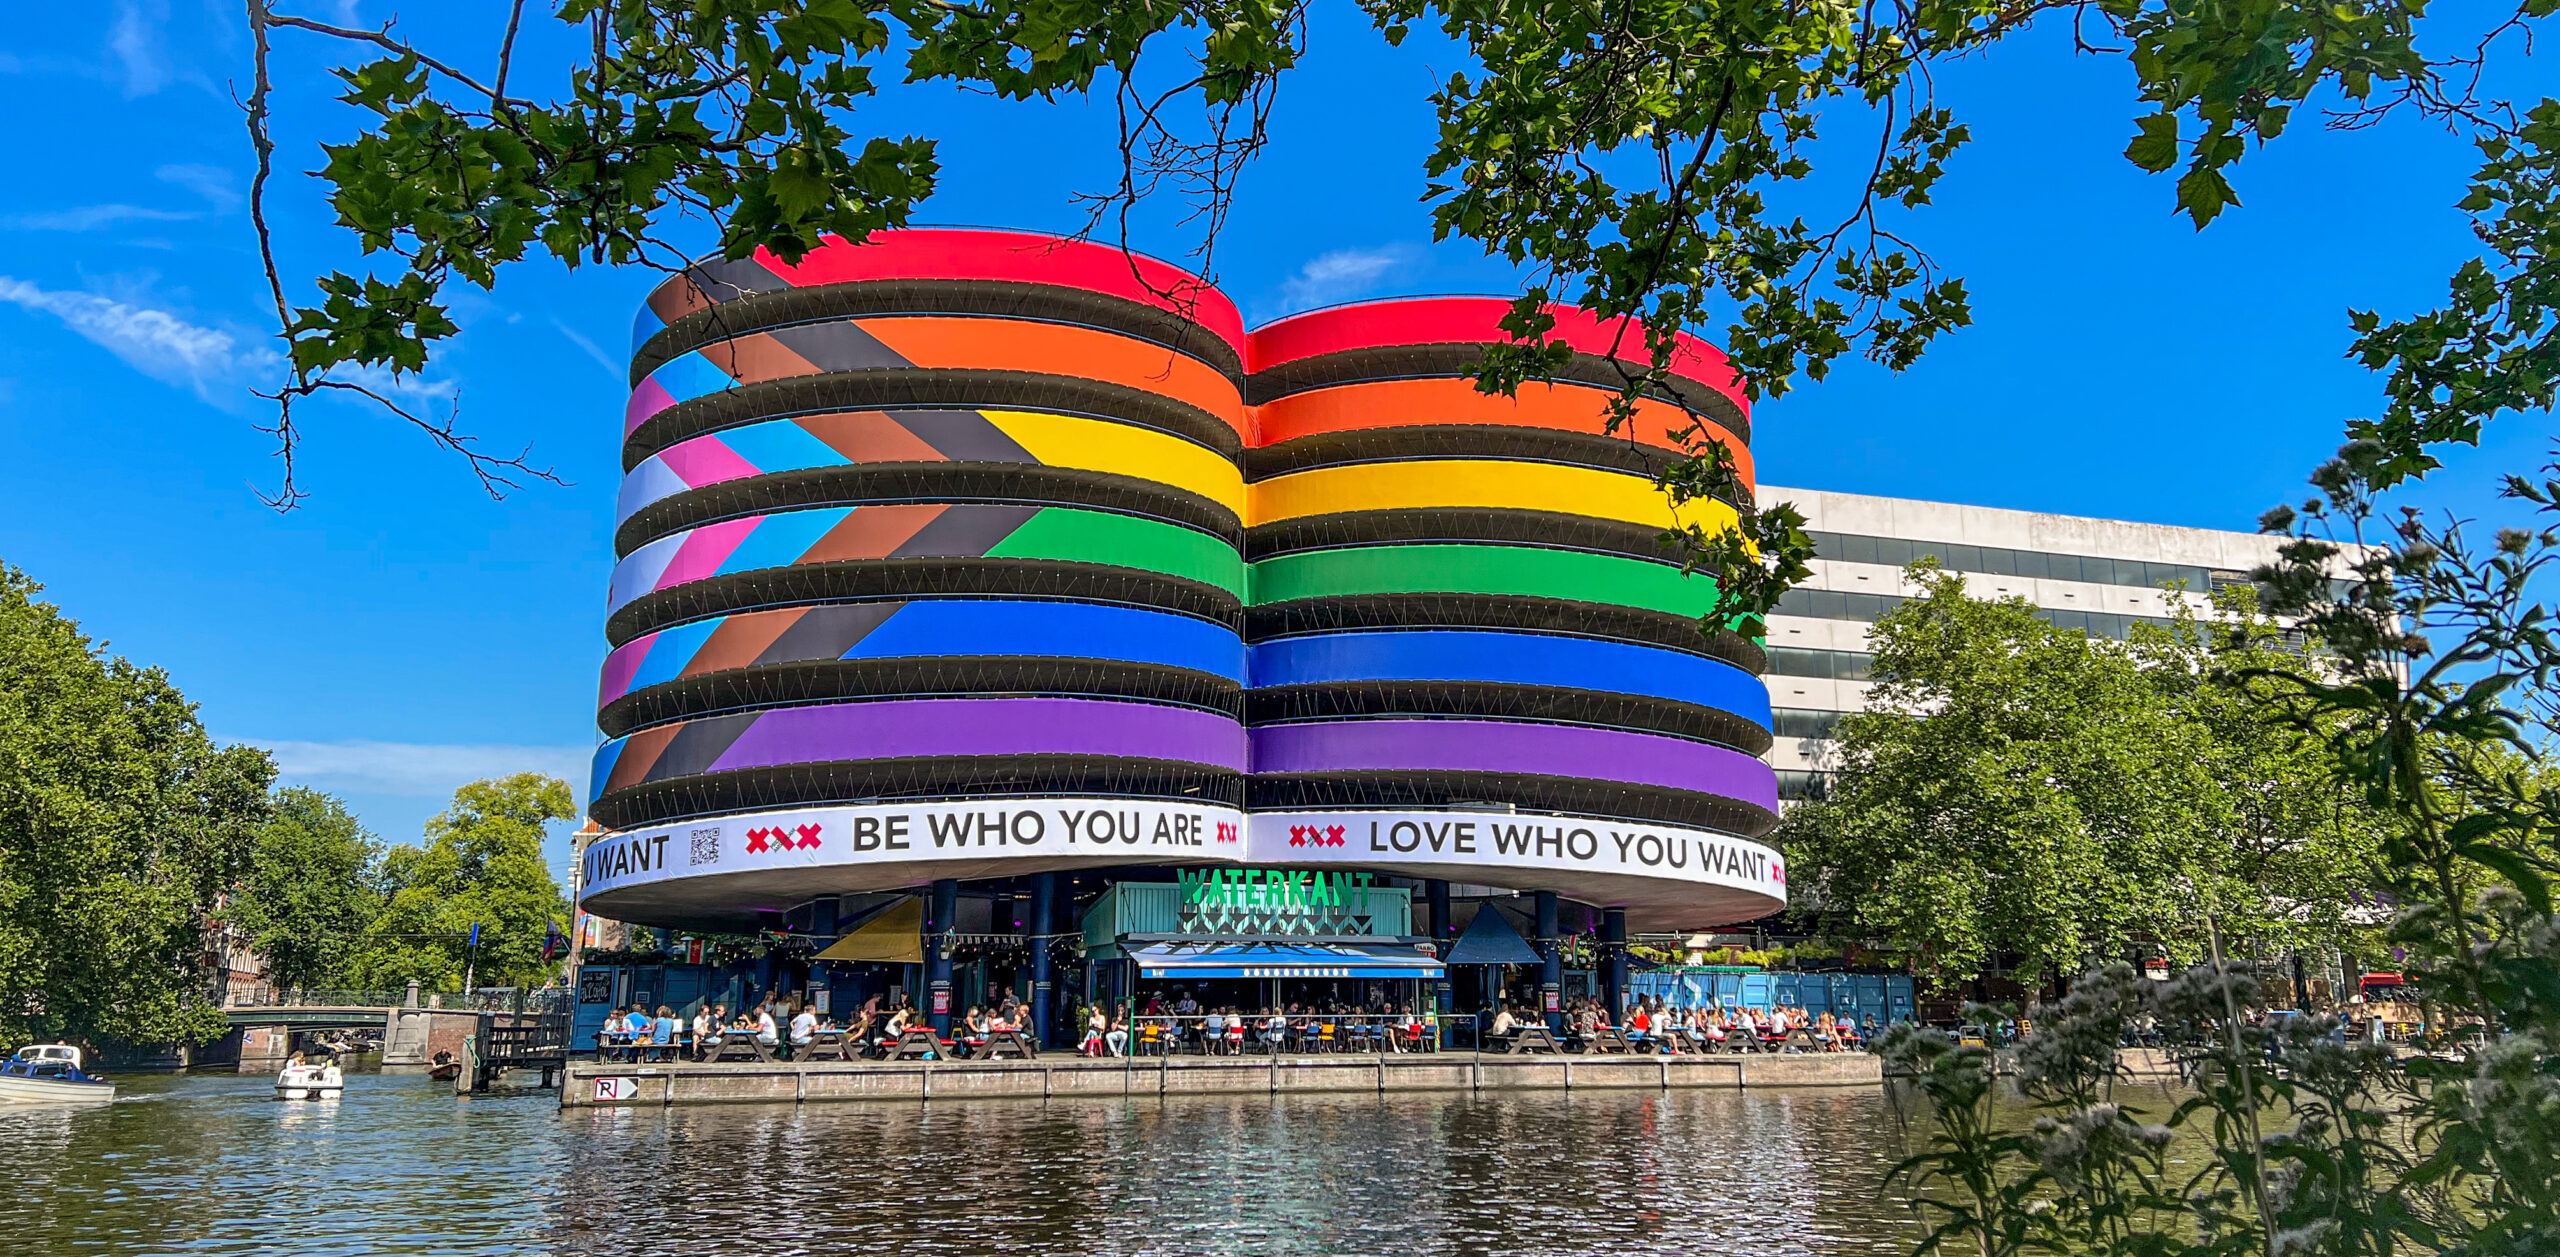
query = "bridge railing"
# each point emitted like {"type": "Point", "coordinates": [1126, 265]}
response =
{"type": "Point", "coordinates": [500, 999]}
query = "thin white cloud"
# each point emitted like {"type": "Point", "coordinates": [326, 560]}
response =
{"type": "Point", "coordinates": [93, 217]}
{"type": "Point", "coordinates": [1343, 275]}
{"type": "Point", "coordinates": [419, 769]}
{"type": "Point", "coordinates": [135, 43]}
{"type": "Point", "coordinates": [155, 342]}
{"type": "Point", "coordinates": [216, 185]}
{"type": "Point", "coordinates": [210, 361]}
{"type": "Point", "coordinates": [615, 371]}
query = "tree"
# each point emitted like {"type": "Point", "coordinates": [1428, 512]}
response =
{"type": "Point", "coordinates": [2024, 791]}
{"type": "Point", "coordinates": [121, 824]}
{"type": "Point", "coordinates": [482, 865]}
{"type": "Point", "coordinates": [1665, 164]}
{"type": "Point", "coordinates": [311, 890]}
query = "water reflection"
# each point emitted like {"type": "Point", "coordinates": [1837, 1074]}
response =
{"type": "Point", "coordinates": [217, 1166]}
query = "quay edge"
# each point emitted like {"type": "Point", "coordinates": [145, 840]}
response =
{"type": "Point", "coordinates": [591, 1084]}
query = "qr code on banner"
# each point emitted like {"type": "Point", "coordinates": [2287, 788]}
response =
{"type": "Point", "coordinates": [706, 846]}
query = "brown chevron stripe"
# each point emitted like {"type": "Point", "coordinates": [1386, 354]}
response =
{"type": "Point", "coordinates": [870, 436]}
{"type": "Point", "coordinates": [741, 640]}
{"type": "Point", "coordinates": [710, 283]}
{"type": "Point", "coordinates": [639, 755]}
{"type": "Point", "coordinates": [749, 359]}
{"type": "Point", "coordinates": [873, 532]}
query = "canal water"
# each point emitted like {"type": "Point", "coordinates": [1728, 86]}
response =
{"type": "Point", "coordinates": [214, 1165]}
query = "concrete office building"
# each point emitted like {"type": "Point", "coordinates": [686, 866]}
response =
{"type": "Point", "coordinates": [2102, 575]}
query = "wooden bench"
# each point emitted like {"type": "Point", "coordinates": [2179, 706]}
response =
{"type": "Point", "coordinates": [829, 1045]}
{"type": "Point", "coordinates": [1607, 1040]}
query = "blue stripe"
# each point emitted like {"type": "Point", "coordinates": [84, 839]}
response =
{"type": "Point", "coordinates": [603, 769]}
{"type": "Point", "coordinates": [1070, 630]}
{"type": "Point", "coordinates": [1571, 663]}
{"type": "Point", "coordinates": [668, 653]}
{"type": "Point", "coordinates": [643, 326]}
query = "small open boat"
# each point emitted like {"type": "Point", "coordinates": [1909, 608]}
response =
{"type": "Point", "coordinates": [51, 1073]}
{"type": "Point", "coordinates": [306, 1081]}
{"type": "Point", "coordinates": [443, 1068]}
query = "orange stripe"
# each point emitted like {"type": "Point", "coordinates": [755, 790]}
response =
{"type": "Point", "coordinates": [1054, 349]}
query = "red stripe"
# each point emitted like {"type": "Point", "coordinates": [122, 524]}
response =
{"type": "Point", "coordinates": [1021, 257]}
{"type": "Point", "coordinates": [1472, 320]}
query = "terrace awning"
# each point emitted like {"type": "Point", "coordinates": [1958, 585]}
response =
{"type": "Point", "coordinates": [1285, 960]}
{"type": "Point", "coordinates": [1490, 940]}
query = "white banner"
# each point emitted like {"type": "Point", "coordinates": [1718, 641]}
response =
{"type": "Point", "coordinates": [1516, 849]}
{"type": "Point", "coordinates": [917, 834]}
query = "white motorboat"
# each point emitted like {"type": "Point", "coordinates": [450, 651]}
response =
{"type": "Point", "coordinates": [305, 1081]}
{"type": "Point", "coordinates": [51, 1073]}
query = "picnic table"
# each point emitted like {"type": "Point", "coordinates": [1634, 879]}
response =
{"type": "Point", "coordinates": [1606, 1039]}
{"type": "Point", "coordinates": [830, 1045]}
{"type": "Point", "coordinates": [740, 1047]}
{"type": "Point", "coordinates": [999, 1042]}
{"type": "Point", "coordinates": [916, 1043]}
{"type": "Point", "coordinates": [1535, 1037]}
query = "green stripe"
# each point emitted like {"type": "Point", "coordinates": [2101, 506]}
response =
{"type": "Point", "coordinates": [1074, 536]}
{"type": "Point", "coordinates": [1513, 571]}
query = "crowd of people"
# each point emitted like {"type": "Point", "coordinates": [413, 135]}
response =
{"type": "Point", "coordinates": [1187, 1025]}
{"type": "Point", "coordinates": [1651, 1025]}
{"type": "Point", "coordinates": [789, 1031]}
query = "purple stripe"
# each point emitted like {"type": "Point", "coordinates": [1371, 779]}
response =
{"type": "Point", "coordinates": [1487, 746]}
{"type": "Point", "coordinates": [986, 726]}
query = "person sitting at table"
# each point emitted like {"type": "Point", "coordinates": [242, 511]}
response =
{"type": "Point", "coordinates": [804, 1031]}
{"type": "Point", "coordinates": [1213, 1032]}
{"type": "Point", "coordinates": [1503, 1025]}
{"type": "Point", "coordinates": [1115, 1035]}
{"type": "Point", "coordinates": [1639, 1025]}
{"type": "Point", "coordinates": [894, 1029]}
{"type": "Point", "coordinates": [1094, 1026]}
{"type": "Point", "coordinates": [705, 1030]}
{"type": "Point", "coordinates": [973, 1028]}
{"type": "Point", "coordinates": [1275, 1030]}
{"type": "Point", "coordinates": [765, 1031]}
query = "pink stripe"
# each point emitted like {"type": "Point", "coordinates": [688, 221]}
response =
{"type": "Point", "coordinates": [646, 400]}
{"type": "Point", "coordinates": [707, 460]}
{"type": "Point", "coordinates": [619, 666]}
{"type": "Point", "coordinates": [705, 549]}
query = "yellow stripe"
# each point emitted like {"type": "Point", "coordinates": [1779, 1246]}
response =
{"type": "Point", "coordinates": [1123, 450]}
{"type": "Point", "coordinates": [1462, 482]}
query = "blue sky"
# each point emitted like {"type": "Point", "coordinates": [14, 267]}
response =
{"type": "Point", "coordinates": [401, 633]}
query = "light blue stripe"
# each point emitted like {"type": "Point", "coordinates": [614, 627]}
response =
{"type": "Point", "coordinates": [782, 538]}
{"type": "Point", "coordinates": [647, 483]}
{"type": "Point", "coordinates": [690, 375]}
{"type": "Point", "coordinates": [780, 445]}
{"type": "Point", "coordinates": [638, 572]}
